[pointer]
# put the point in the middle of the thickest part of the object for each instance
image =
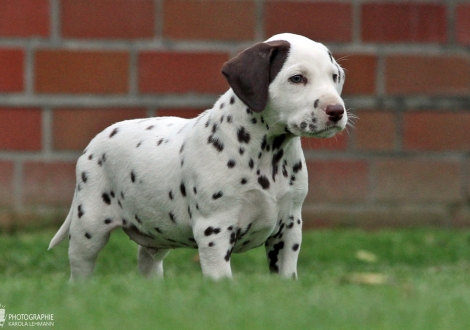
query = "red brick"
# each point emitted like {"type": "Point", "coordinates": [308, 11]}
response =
{"type": "Point", "coordinates": [360, 73]}
{"type": "Point", "coordinates": [403, 22]}
{"type": "Point", "coordinates": [422, 180]}
{"type": "Point", "coordinates": [73, 129]}
{"type": "Point", "coordinates": [179, 112]}
{"type": "Point", "coordinates": [173, 72]}
{"type": "Point", "coordinates": [413, 74]}
{"type": "Point", "coordinates": [67, 71]}
{"type": "Point", "coordinates": [437, 131]}
{"type": "Point", "coordinates": [338, 142]}
{"type": "Point", "coordinates": [48, 183]}
{"type": "Point", "coordinates": [11, 70]}
{"type": "Point", "coordinates": [20, 129]}
{"type": "Point", "coordinates": [6, 182]}
{"type": "Point", "coordinates": [375, 130]}
{"type": "Point", "coordinates": [108, 18]}
{"type": "Point", "coordinates": [462, 28]}
{"type": "Point", "coordinates": [24, 18]}
{"type": "Point", "coordinates": [320, 21]}
{"type": "Point", "coordinates": [209, 20]}
{"type": "Point", "coordinates": [337, 181]}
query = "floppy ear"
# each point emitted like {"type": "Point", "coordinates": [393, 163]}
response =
{"type": "Point", "coordinates": [250, 72]}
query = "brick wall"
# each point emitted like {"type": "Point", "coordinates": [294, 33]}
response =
{"type": "Point", "coordinates": [70, 68]}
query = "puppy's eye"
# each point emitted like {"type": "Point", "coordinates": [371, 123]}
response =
{"type": "Point", "coordinates": [335, 77]}
{"type": "Point", "coordinates": [297, 79]}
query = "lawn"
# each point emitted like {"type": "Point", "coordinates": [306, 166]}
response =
{"type": "Point", "coordinates": [348, 279]}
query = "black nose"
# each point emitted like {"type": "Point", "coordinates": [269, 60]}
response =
{"type": "Point", "coordinates": [335, 112]}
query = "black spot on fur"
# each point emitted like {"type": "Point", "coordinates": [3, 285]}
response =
{"type": "Point", "coordinates": [243, 181]}
{"type": "Point", "coordinates": [260, 155]}
{"type": "Point", "coordinates": [132, 176]}
{"type": "Point", "coordinates": [275, 162]}
{"type": "Point", "coordinates": [183, 190]}
{"type": "Point", "coordinates": [264, 182]}
{"type": "Point", "coordinates": [232, 100]}
{"type": "Point", "coordinates": [172, 217]}
{"type": "Point", "coordinates": [106, 198]}
{"type": "Point", "coordinates": [273, 257]}
{"type": "Point", "coordinates": [158, 230]}
{"type": "Point", "coordinates": [222, 119]}
{"type": "Point", "coordinates": [254, 120]}
{"type": "Point", "coordinates": [297, 167]}
{"type": "Point", "coordinates": [159, 142]}
{"type": "Point", "coordinates": [150, 127]}
{"type": "Point", "coordinates": [138, 219]}
{"type": "Point", "coordinates": [84, 177]}
{"type": "Point", "coordinates": [112, 194]}
{"type": "Point", "coordinates": [279, 232]}
{"type": "Point", "coordinates": [228, 255]}
{"type": "Point", "coordinates": [241, 150]}
{"type": "Point", "coordinates": [264, 143]}
{"type": "Point", "coordinates": [124, 222]}
{"type": "Point", "coordinates": [278, 141]}
{"type": "Point", "coordinates": [295, 247]}
{"type": "Point", "coordinates": [80, 211]}
{"type": "Point", "coordinates": [315, 104]}
{"type": "Point", "coordinates": [88, 235]}
{"type": "Point", "coordinates": [90, 157]}
{"type": "Point", "coordinates": [251, 163]}
{"type": "Point", "coordinates": [284, 171]}
{"type": "Point", "coordinates": [229, 118]}
{"type": "Point", "coordinates": [231, 163]}
{"type": "Point", "coordinates": [114, 132]}
{"type": "Point", "coordinates": [243, 136]}
{"type": "Point", "coordinates": [211, 244]}
{"type": "Point", "coordinates": [170, 194]}
{"type": "Point", "coordinates": [182, 148]}
{"type": "Point", "coordinates": [211, 230]}
{"type": "Point", "coordinates": [103, 157]}
{"type": "Point", "coordinates": [215, 127]}
{"type": "Point", "coordinates": [222, 105]}
{"type": "Point", "coordinates": [195, 190]}
{"type": "Point", "coordinates": [219, 146]}
{"type": "Point", "coordinates": [189, 212]}
{"type": "Point", "coordinates": [217, 195]}
{"type": "Point", "coordinates": [108, 221]}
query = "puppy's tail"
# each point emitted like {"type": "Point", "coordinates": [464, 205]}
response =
{"type": "Point", "coordinates": [62, 232]}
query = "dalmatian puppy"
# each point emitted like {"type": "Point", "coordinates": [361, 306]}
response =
{"type": "Point", "coordinates": [230, 180]}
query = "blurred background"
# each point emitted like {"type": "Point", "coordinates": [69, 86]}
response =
{"type": "Point", "coordinates": [70, 68]}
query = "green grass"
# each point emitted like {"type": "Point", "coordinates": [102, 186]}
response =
{"type": "Point", "coordinates": [424, 284]}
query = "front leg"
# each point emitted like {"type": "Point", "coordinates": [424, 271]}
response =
{"type": "Point", "coordinates": [282, 248]}
{"type": "Point", "coordinates": [215, 249]}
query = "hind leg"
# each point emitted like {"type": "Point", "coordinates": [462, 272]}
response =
{"type": "Point", "coordinates": [83, 252]}
{"type": "Point", "coordinates": [151, 261]}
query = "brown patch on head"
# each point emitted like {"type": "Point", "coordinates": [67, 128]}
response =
{"type": "Point", "coordinates": [250, 72]}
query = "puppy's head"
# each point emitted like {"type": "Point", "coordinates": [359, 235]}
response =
{"type": "Point", "coordinates": [294, 79]}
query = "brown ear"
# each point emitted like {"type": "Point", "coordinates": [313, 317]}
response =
{"type": "Point", "coordinates": [250, 72]}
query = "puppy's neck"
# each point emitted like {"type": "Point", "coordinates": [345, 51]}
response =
{"type": "Point", "coordinates": [261, 126]}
